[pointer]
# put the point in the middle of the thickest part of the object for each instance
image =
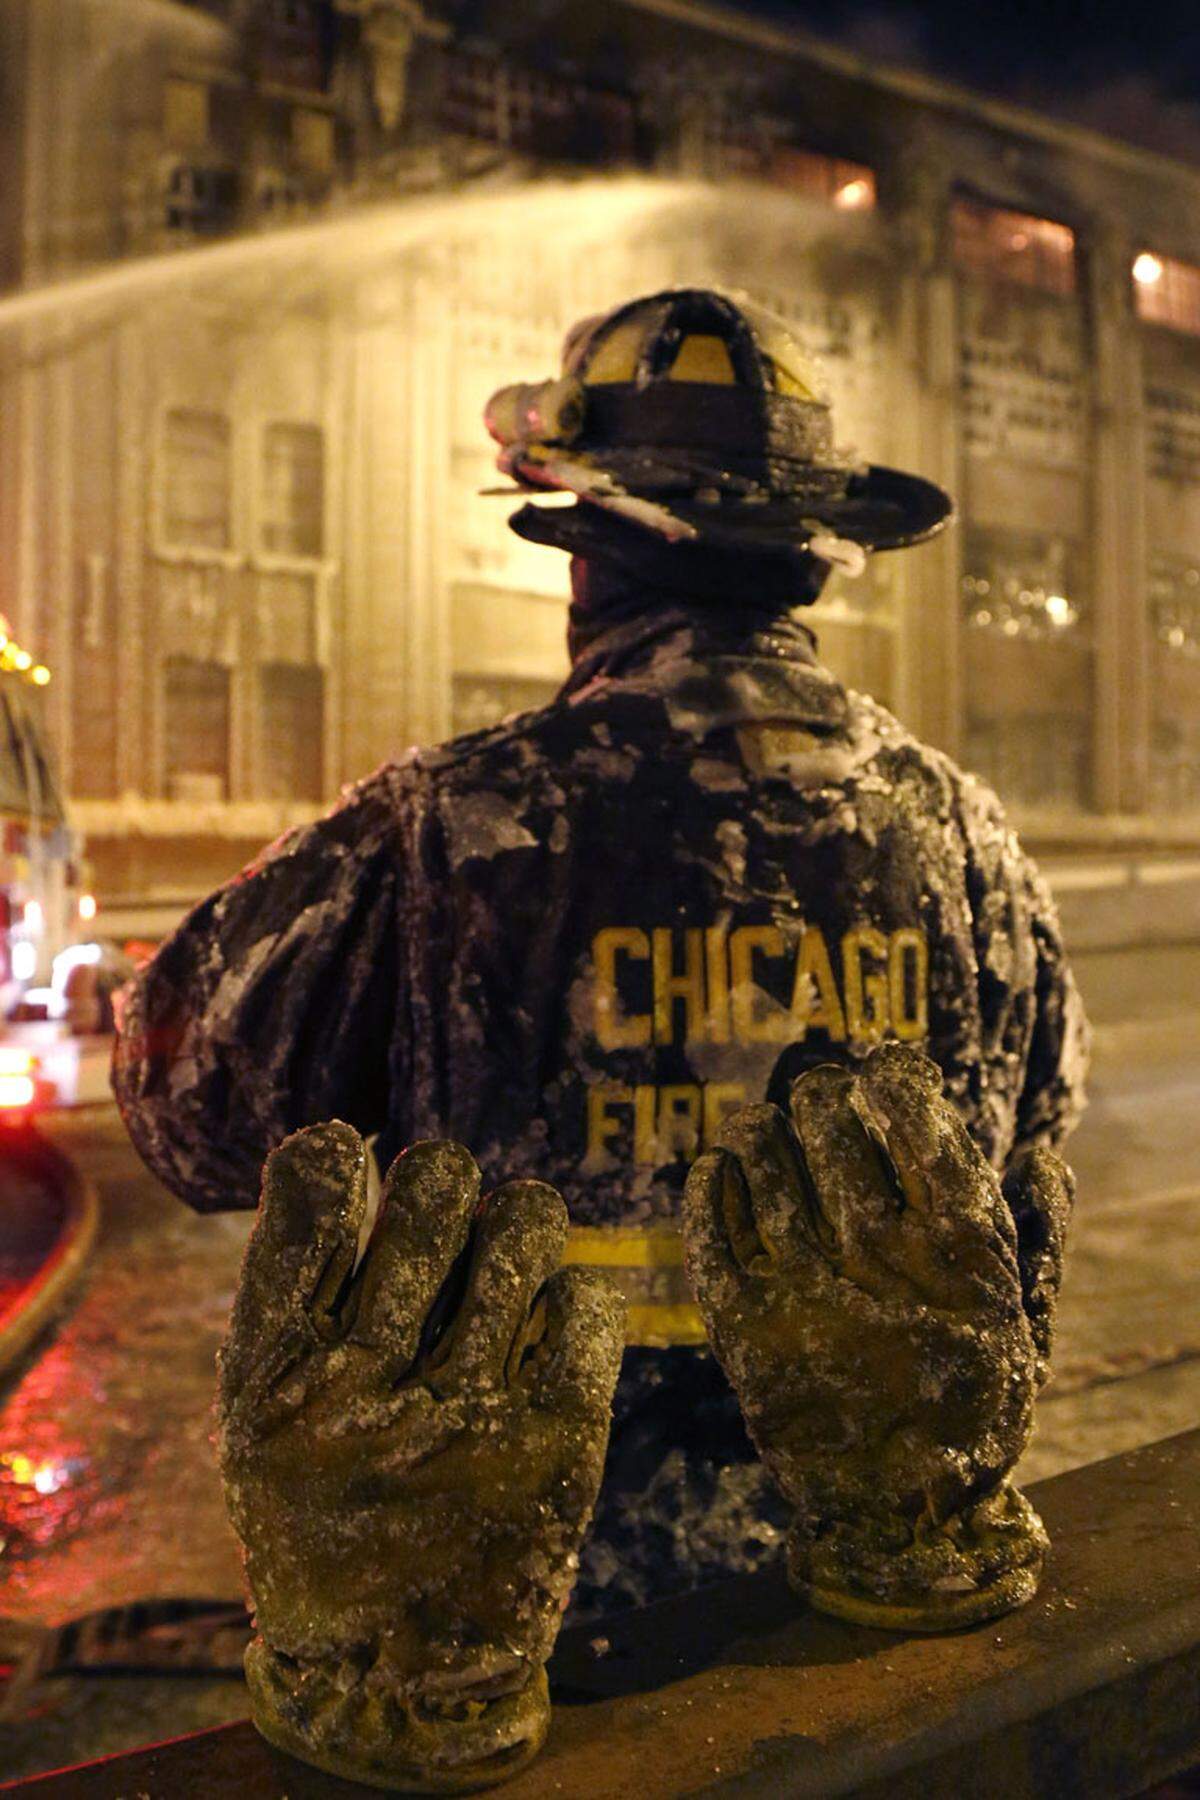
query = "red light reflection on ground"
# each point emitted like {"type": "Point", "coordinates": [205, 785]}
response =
{"type": "Point", "coordinates": [108, 1484]}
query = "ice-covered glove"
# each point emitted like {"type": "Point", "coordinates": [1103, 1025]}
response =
{"type": "Point", "coordinates": [885, 1323]}
{"type": "Point", "coordinates": [411, 1453]}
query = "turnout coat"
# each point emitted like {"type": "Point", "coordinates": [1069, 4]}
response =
{"type": "Point", "coordinates": [575, 941]}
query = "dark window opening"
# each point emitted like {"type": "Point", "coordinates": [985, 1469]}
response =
{"type": "Point", "coordinates": [295, 41]}
{"type": "Point", "coordinates": [197, 696]}
{"type": "Point", "coordinates": [200, 200]}
{"type": "Point", "coordinates": [536, 114]}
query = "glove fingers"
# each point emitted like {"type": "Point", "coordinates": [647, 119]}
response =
{"type": "Point", "coordinates": [850, 1176]}
{"type": "Point", "coordinates": [519, 1242]}
{"type": "Point", "coordinates": [782, 1221]}
{"type": "Point", "coordinates": [574, 1367]}
{"type": "Point", "coordinates": [931, 1149]}
{"type": "Point", "coordinates": [954, 1237]}
{"type": "Point", "coordinates": [720, 1239]}
{"type": "Point", "coordinates": [300, 1253]}
{"type": "Point", "coordinates": [425, 1212]}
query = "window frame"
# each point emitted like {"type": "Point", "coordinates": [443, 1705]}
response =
{"type": "Point", "coordinates": [170, 736]}
{"type": "Point", "coordinates": [1172, 267]}
{"type": "Point", "coordinates": [964, 199]}
{"type": "Point", "coordinates": [197, 224]}
{"type": "Point", "coordinates": [288, 560]}
{"type": "Point", "coordinates": [172, 549]}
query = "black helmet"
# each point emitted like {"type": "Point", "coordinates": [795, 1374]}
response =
{"type": "Point", "coordinates": [697, 416]}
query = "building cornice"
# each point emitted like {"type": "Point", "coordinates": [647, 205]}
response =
{"type": "Point", "coordinates": [248, 821]}
{"type": "Point", "coordinates": [925, 90]}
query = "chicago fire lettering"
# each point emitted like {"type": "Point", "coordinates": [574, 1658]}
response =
{"type": "Point", "coordinates": [695, 986]}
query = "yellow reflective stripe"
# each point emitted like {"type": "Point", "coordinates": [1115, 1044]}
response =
{"type": "Point", "coordinates": [625, 1246]}
{"type": "Point", "coordinates": [664, 1325]}
{"type": "Point", "coordinates": [643, 1258]}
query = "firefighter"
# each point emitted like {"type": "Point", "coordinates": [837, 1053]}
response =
{"type": "Point", "coordinates": [576, 942]}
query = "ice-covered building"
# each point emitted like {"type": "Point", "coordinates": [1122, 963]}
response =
{"type": "Point", "coordinates": [263, 263]}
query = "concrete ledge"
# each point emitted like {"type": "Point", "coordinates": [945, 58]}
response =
{"type": "Point", "coordinates": [1120, 904]}
{"type": "Point", "coordinates": [1090, 1691]}
{"type": "Point", "coordinates": [50, 1288]}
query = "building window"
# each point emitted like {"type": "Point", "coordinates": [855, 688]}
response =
{"type": "Point", "coordinates": [1020, 595]}
{"type": "Point", "coordinates": [1028, 666]}
{"type": "Point", "coordinates": [1174, 596]}
{"type": "Point", "coordinates": [1167, 292]}
{"type": "Point", "coordinates": [486, 99]}
{"type": "Point", "coordinates": [312, 140]}
{"type": "Point", "coordinates": [293, 510]}
{"type": "Point", "coordinates": [200, 200]}
{"type": "Point", "coordinates": [741, 145]}
{"type": "Point", "coordinates": [847, 185]}
{"type": "Point", "coordinates": [196, 730]}
{"type": "Point", "coordinates": [292, 732]}
{"type": "Point", "coordinates": [288, 16]}
{"type": "Point", "coordinates": [1173, 432]}
{"type": "Point", "coordinates": [294, 39]}
{"type": "Point", "coordinates": [1173, 591]}
{"type": "Point", "coordinates": [277, 194]}
{"type": "Point", "coordinates": [185, 113]}
{"type": "Point", "coordinates": [992, 242]}
{"type": "Point", "coordinates": [539, 115]}
{"type": "Point", "coordinates": [196, 488]}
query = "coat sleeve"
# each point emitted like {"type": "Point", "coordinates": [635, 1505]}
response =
{"type": "Point", "coordinates": [272, 1006]}
{"type": "Point", "coordinates": [1052, 1097]}
{"type": "Point", "coordinates": [1034, 1033]}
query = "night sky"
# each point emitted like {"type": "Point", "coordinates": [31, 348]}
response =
{"type": "Point", "coordinates": [1132, 70]}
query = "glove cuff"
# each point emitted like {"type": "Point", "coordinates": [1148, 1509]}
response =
{"type": "Point", "coordinates": [929, 1576]}
{"type": "Point", "coordinates": [354, 1725]}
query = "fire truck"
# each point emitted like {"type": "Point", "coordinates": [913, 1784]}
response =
{"type": "Point", "coordinates": [44, 911]}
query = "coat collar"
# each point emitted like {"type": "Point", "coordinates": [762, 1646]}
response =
{"type": "Point", "coordinates": [711, 672]}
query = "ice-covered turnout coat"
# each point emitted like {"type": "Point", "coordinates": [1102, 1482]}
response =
{"type": "Point", "coordinates": [575, 941]}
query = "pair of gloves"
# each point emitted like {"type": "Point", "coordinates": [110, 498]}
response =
{"type": "Point", "coordinates": [412, 1445]}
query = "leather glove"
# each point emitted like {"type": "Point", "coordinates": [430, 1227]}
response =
{"type": "Point", "coordinates": [411, 1453]}
{"type": "Point", "coordinates": [885, 1321]}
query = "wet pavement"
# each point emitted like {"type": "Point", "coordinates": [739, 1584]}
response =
{"type": "Point", "coordinates": [1127, 1362]}
{"type": "Point", "coordinates": [108, 1490]}
{"type": "Point", "coordinates": [108, 1486]}
{"type": "Point", "coordinates": [31, 1217]}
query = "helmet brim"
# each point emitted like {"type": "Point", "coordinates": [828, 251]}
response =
{"type": "Point", "coordinates": [683, 498]}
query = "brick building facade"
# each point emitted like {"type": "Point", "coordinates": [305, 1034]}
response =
{"type": "Point", "coordinates": [262, 264]}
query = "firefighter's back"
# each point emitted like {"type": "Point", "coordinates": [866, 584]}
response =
{"type": "Point", "coordinates": [574, 942]}
{"type": "Point", "coordinates": [658, 899]}
{"type": "Point", "coordinates": [673, 890]}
